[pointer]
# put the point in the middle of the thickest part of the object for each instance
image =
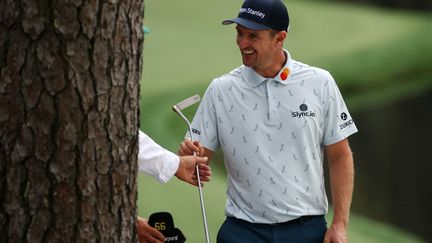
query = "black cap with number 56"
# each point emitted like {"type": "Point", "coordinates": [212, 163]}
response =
{"type": "Point", "coordinates": [163, 222]}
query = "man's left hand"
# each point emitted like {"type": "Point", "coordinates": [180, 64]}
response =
{"type": "Point", "coordinates": [336, 234]}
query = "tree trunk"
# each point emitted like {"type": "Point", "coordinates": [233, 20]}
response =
{"type": "Point", "coordinates": [69, 115]}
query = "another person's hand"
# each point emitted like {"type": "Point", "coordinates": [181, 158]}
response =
{"type": "Point", "coordinates": [186, 170]}
{"type": "Point", "coordinates": [146, 233]}
{"type": "Point", "coordinates": [187, 147]}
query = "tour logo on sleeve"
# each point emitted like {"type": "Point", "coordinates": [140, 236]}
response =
{"type": "Point", "coordinates": [346, 123]}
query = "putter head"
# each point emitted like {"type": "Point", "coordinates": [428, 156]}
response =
{"type": "Point", "coordinates": [186, 103]}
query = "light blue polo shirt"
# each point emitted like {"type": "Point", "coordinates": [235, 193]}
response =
{"type": "Point", "coordinates": [272, 132]}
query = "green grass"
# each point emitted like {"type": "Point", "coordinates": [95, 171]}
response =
{"type": "Point", "coordinates": [376, 56]}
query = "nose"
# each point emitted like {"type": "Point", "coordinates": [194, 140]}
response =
{"type": "Point", "coordinates": [242, 42]}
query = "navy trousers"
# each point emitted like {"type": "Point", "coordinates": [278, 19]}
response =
{"type": "Point", "coordinates": [309, 229]}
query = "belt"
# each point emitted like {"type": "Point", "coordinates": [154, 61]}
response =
{"type": "Point", "coordinates": [299, 220]}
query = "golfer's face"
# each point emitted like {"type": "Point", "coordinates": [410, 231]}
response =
{"type": "Point", "coordinates": [256, 47]}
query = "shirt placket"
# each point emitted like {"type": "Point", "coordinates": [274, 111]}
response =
{"type": "Point", "coordinates": [273, 115]}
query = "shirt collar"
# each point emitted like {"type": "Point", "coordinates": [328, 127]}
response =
{"type": "Point", "coordinates": [282, 77]}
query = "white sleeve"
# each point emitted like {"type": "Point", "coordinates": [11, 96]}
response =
{"type": "Point", "coordinates": [338, 123]}
{"type": "Point", "coordinates": [204, 123]}
{"type": "Point", "coordinates": [155, 160]}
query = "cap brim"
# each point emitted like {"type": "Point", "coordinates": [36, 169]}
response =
{"type": "Point", "coordinates": [246, 23]}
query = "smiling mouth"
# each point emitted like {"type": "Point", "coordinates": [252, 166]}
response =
{"type": "Point", "coordinates": [248, 52]}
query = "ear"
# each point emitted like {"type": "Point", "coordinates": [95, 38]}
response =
{"type": "Point", "coordinates": [280, 38]}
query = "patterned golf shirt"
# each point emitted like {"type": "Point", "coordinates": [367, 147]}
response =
{"type": "Point", "coordinates": [272, 132]}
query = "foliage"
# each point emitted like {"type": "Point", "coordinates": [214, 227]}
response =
{"type": "Point", "coordinates": [420, 5]}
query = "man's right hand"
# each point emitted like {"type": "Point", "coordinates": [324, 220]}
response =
{"type": "Point", "coordinates": [187, 147]}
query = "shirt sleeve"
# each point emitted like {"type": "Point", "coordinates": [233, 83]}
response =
{"type": "Point", "coordinates": [156, 161]}
{"type": "Point", "coordinates": [204, 123]}
{"type": "Point", "coordinates": [338, 123]}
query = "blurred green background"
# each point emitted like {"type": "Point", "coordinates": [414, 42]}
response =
{"type": "Point", "coordinates": [381, 59]}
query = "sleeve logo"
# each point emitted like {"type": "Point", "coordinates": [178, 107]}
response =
{"type": "Point", "coordinates": [344, 117]}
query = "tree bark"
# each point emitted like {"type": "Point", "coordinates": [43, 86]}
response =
{"type": "Point", "coordinates": [69, 115]}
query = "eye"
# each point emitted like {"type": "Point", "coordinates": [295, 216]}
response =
{"type": "Point", "coordinates": [254, 36]}
{"type": "Point", "coordinates": [239, 33]}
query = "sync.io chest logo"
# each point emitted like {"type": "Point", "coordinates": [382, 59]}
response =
{"type": "Point", "coordinates": [303, 112]}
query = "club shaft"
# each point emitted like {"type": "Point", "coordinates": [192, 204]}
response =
{"type": "Point", "coordinates": [177, 110]}
{"type": "Point", "coordinates": [202, 205]}
{"type": "Point", "coordinates": [203, 211]}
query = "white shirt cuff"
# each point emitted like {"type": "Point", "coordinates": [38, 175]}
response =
{"type": "Point", "coordinates": [156, 161]}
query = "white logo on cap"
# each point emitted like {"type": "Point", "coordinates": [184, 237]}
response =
{"type": "Point", "coordinates": [253, 12]}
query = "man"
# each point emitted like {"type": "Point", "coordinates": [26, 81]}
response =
{"type": "Point", "coordinates": [162, 165]}
{"type": "Point", "coordinates": [274, 118]}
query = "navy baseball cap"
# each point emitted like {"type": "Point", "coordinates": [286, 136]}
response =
{"type": "Point", "coordinates": [261, 15]}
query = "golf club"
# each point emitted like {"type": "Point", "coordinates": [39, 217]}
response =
{"type": "Point", "coordinates": [177, 108]}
